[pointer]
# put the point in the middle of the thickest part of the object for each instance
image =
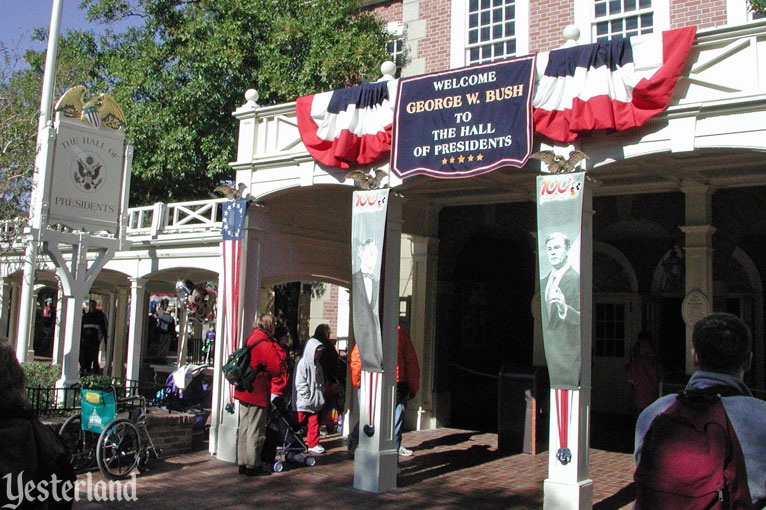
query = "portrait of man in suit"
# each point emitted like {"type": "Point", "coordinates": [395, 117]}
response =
{"type": "Point", "coordinates": [560, 299]}
{"type": "Point", "coordinates": [365, 295]}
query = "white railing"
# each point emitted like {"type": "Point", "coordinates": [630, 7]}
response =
{"type": "Point", "coordinates": [177, 217]}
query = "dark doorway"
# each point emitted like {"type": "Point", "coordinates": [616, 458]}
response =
{"type": "Point", "coordinates": [492, 325]}
{"type": "Point", "coordinates": [671, 345]}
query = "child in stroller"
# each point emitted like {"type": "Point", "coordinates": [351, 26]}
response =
{"type": "Point", "coordinates": [283, 439]}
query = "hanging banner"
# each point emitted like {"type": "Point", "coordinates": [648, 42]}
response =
{"type": "Point", "coordinates": [464, 122]}
{"type": "Point", "coordinates": [368, 228]}
{"type": "Point", "coordinates": [559, 224]}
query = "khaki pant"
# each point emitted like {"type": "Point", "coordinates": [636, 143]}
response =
{"type": "Point", "coordinates": [252, 434]}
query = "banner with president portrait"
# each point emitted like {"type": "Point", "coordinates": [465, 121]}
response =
{"type": "Point", "coordinates": [464, 122]}
{"type": "Point", "coordinates": [559, 226]}
{"type": "Point", "coordinates": [368, 228]}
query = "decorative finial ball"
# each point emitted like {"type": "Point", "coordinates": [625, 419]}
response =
{"type": "Point", "coordinates": [571, 33]}
{"type": "Point", "coordinates": [387, 68]}
{"type": "Point", "coordinates": [251, 95]}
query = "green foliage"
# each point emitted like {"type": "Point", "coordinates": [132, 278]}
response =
{"type": "Point", "coordinates": [758, 6]}
{"type": "Point", "coordinates": [182, 72]}
{"type": "Point", "coordinates": [40, 375]}
{"type": "Point", "coordinates": [179, 73]}
{"type": "Point", "coordinates": [96, 382]}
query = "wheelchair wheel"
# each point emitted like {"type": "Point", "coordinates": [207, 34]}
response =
{"type": "Point", "coordinates": [278, 467]}
{"type": "Point", "coordinates": [80, 444]}
{"type": "Point", "coordinates": [119, 449]}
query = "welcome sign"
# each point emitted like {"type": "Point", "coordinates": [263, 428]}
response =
{"type": "Point", "coordinates": [464, 122]}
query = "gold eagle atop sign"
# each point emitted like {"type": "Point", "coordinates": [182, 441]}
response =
{"type": "Point", "coordinates": [95, 109]}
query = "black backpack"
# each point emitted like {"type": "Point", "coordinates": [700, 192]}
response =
{"type": "Point", "coordinates": [691, 458]}
{"type": "Point", "coordinates": [238, 370]}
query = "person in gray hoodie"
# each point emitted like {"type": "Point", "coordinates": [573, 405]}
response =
{"type": "Point", "coordinates": [308, 392]}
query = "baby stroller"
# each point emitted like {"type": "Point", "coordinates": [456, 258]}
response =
{"type": "Point", "coordinates": [188, 389]}
{"type": "Point", "coordinates": [283, 441]}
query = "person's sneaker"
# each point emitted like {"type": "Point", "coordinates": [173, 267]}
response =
{"type": "Point", "coordinates": [317, 449]}
{"type": "Point", "coordinates": [404, 452]}
{"type": "Point", "coordinates": [258, 471]}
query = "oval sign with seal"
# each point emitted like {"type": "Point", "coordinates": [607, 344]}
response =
{"type": "Point", "coordinates": [694, 307]}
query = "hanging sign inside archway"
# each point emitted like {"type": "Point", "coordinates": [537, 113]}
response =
{"type": "Point", "coordinates": [464, 122]}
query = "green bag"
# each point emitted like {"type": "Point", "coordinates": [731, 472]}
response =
{"type": "Point", "coordinates": [238, 370]}
{"type": "Point", "coordinates": [98, 409]}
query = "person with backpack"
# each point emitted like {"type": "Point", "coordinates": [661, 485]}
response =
{"type": "Point", "coordinates": [706, 446]}
{"type": "Point", "coordinates": [254, 402]}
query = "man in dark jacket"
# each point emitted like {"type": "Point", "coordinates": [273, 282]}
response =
{"type": "Point", "coordinates": [254, 404]}
{"type": "Point", "coordinates": [94, 330]}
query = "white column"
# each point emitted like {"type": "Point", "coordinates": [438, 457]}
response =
{"type": "Point", "coordinates": [120, 334]}
{"type": "Point", "coordinates": [698, 251]}
{"type": "Point", "coordinates": [250, 305]}
{"type": "Point", "coordinates": [220, 395]}
{"type": "Point", "coordinates": [424, 265]}
{"type": "Point", "coordinates": [568, 486]}
{"type": "Point", "coordinates": [135, 337]}
{"type": "Point", "coordinates": [70, 363]}
{"type": "Point", "coordinates": [59, 333]}
{"type": "Point", "coordinates": [375, 460]}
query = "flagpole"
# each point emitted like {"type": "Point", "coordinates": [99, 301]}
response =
{"type": "Point", "coordinates": [39, 190]}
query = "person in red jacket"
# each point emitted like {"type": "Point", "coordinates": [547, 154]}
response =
{"type": "Point", "coordinates": [254, 404]}
{"type": "Point", "coordinates": [407, 385]}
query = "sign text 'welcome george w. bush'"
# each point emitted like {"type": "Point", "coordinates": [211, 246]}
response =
{"type": "Point", "coordinates": [464, 122]}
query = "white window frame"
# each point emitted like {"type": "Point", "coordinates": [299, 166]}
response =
{"type": "Point", "coordinates": [584, 18]}
{"type": "Point", "coordinates": [395, 30]}
{"type": "Point", "coordinates": [459, 31]}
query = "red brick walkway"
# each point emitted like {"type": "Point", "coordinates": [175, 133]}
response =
{"type": "Point", "coordinates": [450, 469]}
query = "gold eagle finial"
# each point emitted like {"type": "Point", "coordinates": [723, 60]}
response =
{"type": "Point", "coordinates": [365, 180]}
{"type": "Point", "coordinates": [95, 109]}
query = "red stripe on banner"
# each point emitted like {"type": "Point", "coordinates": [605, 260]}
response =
{"type": "Point", "coordinates": [231, 259]}
{"type": "Point", "coordinates": [649, 97]}
{"type": "Point", "coordinates": [562, 416]}
{"type": "Point", "coordinates": [344, 151]}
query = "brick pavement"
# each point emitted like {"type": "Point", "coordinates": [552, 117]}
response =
{"type": "Point", "coordinates": [450, 469]}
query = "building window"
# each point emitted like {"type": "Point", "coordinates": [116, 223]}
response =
{"type": "Point", "coordinates": [622, 18]}
{"type": "Point", "coordinates": [395, 45]}
{"type": "Point", "coordinates": [609, 338]}
{"type": "Point", "coordinates": [491, 30]}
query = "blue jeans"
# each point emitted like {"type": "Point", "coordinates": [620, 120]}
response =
{"type": "Point", "coordinates": [401, 407]}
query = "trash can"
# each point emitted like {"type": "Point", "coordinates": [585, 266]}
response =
{"type": "Point", "coordinates": [522, 415]}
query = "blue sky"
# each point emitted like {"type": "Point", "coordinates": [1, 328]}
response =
{"type": "Point", "coordinates": [18, 18]}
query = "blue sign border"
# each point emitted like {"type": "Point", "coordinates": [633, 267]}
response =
{"type": "Point", "coordinates": [517, 162]}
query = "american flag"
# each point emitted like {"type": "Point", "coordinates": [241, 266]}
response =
{"type": "Point", "coordinates": [234, 214]}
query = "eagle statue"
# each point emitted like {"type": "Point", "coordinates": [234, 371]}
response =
{"type": "Point", "coordinates": [365, 180]}
{"type": "Point", "coordinates": [231, 192]}
{"type": "Point", "coordinates": [95, 109]}
{"type": "Point", "coordinates": [556, 163]}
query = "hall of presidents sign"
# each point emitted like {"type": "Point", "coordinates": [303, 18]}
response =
{"type": "Point", "coordinates": [464, 122]}
{"type": "Point", "coordinates": [86, 182]}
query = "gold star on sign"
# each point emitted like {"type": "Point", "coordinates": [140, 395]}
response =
{"type": "Point", "coordinates": [470, 157]}
{"type": "Point", "coordinates": [444, 161]}
{"type": "Point", "coordinates": [460, 159]}
{"type": "Point", "coordinates": [479, 157]}
{"type": "Point", "coordinates": [452, 159]}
